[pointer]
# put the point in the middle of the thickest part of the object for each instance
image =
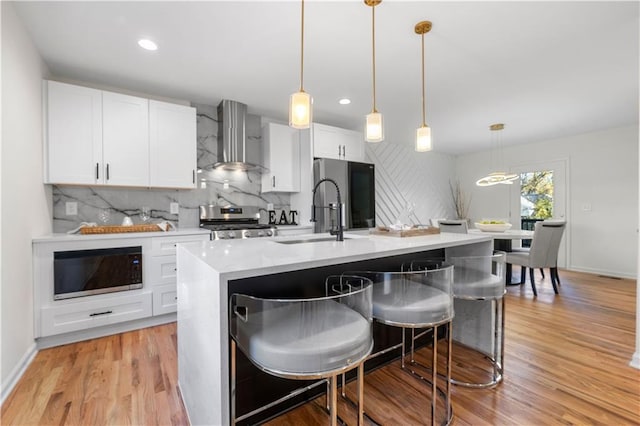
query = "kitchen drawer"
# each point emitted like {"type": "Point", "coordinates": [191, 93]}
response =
{"type": "Point", "coordinates": [167, 245]}
{"type": "Point", "coordinates": [165, 299]}
{"type": "Point", "coordinates": [94, 311]}
{"type": "Point", "coordinates": [162, 270]}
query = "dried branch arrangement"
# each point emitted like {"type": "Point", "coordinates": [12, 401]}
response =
{"type": "Point", "coordinates": [461, 201]}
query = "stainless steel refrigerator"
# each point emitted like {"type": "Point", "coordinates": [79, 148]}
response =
{"type": "Point", "coordinates": [357, 190]}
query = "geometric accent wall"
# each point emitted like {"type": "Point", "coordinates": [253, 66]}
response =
{"type": "Point", "coordinates": [411, 186]}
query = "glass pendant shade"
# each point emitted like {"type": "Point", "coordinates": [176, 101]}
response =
{"type": "Point", "coordinates": [300, 110]}
{"type": "Point", "coordinates": [374, 132]}
{"type": "Point", "coordinates": [423, 139]}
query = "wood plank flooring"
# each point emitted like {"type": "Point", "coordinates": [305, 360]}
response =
{"type": "Point", "coordinates": [566, 362]}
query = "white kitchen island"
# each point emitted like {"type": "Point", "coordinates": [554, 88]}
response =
{"type": "Point", "coordinates": [209, 272]}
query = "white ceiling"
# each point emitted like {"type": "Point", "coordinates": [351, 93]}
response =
{"type": "Point", "coordinates": [545, 69]}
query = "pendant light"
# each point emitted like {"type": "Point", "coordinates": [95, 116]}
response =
{"type": "Point", "coordinates": [499, 176]}
{"type": "Point", "coordinates": [374, 130]}
{"type": "Point", "coordinates": [300, 102]}
{"type": "Point", "coordinates": [423, 134]}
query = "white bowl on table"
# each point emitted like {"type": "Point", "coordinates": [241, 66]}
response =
{"type": "Point", "coordinates": [493, 227]}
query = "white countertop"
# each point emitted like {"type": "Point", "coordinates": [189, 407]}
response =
{"type": "Point", "coordinates": [245, 258]}
{"type": "Point", "coordinates": [89, 237]}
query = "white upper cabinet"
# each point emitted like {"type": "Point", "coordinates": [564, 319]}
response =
{"type": "Point", "coordinates": [337, 143]}
{"type": "Point", "coordinates": [94, 137]}
{"type": "Point", "coordinates": [281, 156]}
{"type": "Point", "coordinates": [73, 147]}
{"type": "Point", "coordinates": [125, 140]}
{"type": "Point", "coordinates": [172, 146]}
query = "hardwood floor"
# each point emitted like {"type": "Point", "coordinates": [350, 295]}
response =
{"type": "Point", "coordinates": [566, 362]}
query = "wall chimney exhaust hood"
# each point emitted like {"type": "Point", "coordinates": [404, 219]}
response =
{"type": "Point", "coordinates": [235, 150]}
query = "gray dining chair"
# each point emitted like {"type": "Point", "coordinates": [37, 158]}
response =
{"type": "Point", "coordinates": [457, 226]}
{"type": "Point", "coordinates": [543, 252]}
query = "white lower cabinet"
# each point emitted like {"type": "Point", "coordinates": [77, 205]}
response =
{"type": "Point", "coordinates": [162, 271]}
{"type": "Point", "coordinates": [67, 320]}
{"type": "Point", "coordinates": [165, 299]}
{"type": "Point", "coordinates": [94, 312]}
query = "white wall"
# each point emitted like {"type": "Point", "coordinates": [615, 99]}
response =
{"type": "Point", "coordinates": [25, 201]}
{"type": "Point", "coordinates": [602, 172]}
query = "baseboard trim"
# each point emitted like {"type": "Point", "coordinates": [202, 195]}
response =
{"type": "Point", "coordinates": [613, 274]}
{"type": "Point", "coordinates": [17, 372]}
{"type": "Point", "coordinates": [635, 360]}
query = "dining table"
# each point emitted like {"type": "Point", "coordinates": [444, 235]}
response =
{"type": "Point", "coordinates": [504, 241]}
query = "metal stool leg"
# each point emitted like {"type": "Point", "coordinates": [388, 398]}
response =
{"type": "Point", "coordinates": [448, 384]}
{"type": "Point", "coordinates": [334, 401]}
{"type": "Point", "coordinates": [361, 394]}
{"type": "Point", "coordinates": [434, 375]}
{"type": "Point", "coordinates": [403, 350]}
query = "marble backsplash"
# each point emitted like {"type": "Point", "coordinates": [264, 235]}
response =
{"type": "Point", "coordinates": [95, 204]}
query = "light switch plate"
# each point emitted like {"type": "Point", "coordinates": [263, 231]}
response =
{"type": "Point", "coordinates": [71, 208]}
{"type": "Point", "coordinates": [174, 208]}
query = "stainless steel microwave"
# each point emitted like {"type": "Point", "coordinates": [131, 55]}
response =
{"type": "Point", "coordinates": [85, 272]}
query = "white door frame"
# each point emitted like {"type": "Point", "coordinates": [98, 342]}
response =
{"type": "Point", "coordinates": [561, 191]}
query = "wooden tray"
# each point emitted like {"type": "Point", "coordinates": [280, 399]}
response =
{"type": "Point", "coordinates": [115, 229]}
{"type": "Point", "coordinates": [415, 232]}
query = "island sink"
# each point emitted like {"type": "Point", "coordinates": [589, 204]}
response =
{"type": "Point", "coordinates": [309, 240]}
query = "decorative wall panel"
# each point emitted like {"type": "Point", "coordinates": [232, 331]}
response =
{"type": "Point", "coordinates": [411, 187]}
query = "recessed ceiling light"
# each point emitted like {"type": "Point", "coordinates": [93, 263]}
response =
{"type": "Point", "coordinates": [147, 44]}
{"type": "Point", "coordinates": [344, 101]}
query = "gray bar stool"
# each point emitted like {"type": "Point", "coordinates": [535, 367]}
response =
{"type": "Point", "coordinates": [482, 278]}
{"type": "Point", "coordinates": [305, 339]}
{"type": "Point", "coordinates": [417, 300]}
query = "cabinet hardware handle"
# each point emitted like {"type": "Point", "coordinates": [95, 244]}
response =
{"type": "Point", "coordinates": [107, 171]}
{"type": "Point", "coordinates": [175, 298]}
{"type": "Point", "coordinates": [97, 171]}
{"type": "Point", "coordinates": [344, 150]}
{"type": "Point", "coordinates": [100, 313]}
{"type": "Point", "coordinates": [273, 179]}
{"type": "Point", "coordinates": [193, 175]}
{"type": "Point", "coordinates": [339, 149]}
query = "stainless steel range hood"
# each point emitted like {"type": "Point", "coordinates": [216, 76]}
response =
{"type": "Point", "coordinates": [235, 150]}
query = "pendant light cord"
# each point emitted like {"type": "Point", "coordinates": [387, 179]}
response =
{"type": "Point", "coordinates": [373, 44]}
{"type": "Point", "coordinates": [302, 47]}
{"type": "Point", "coordinates": [424, 112]}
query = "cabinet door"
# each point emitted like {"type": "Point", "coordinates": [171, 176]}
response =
{"type": "Point", "coordinates": [353, 148]}
{"type": "Point", "coordinates": [125, 121]}
{"type": "Point", "coordinates": [73, 134]}
{"type": "Point", "coordinates": [172, 145]}
{"type": "Point", "coordinates": [281, 156]}
{"type": "Point", "coordinates": [327, 141]}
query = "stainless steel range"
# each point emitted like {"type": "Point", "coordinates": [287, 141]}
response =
{"type": "Point", "coordinates": [234, 222]}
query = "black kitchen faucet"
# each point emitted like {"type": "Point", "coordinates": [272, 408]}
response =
{"type": "Point", "coordinates": [339, 233]}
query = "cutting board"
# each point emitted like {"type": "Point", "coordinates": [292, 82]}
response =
{"type": "Point", "coordinates": [414, 232]}
{"type": "Point", "coordinates": [115, 229]}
